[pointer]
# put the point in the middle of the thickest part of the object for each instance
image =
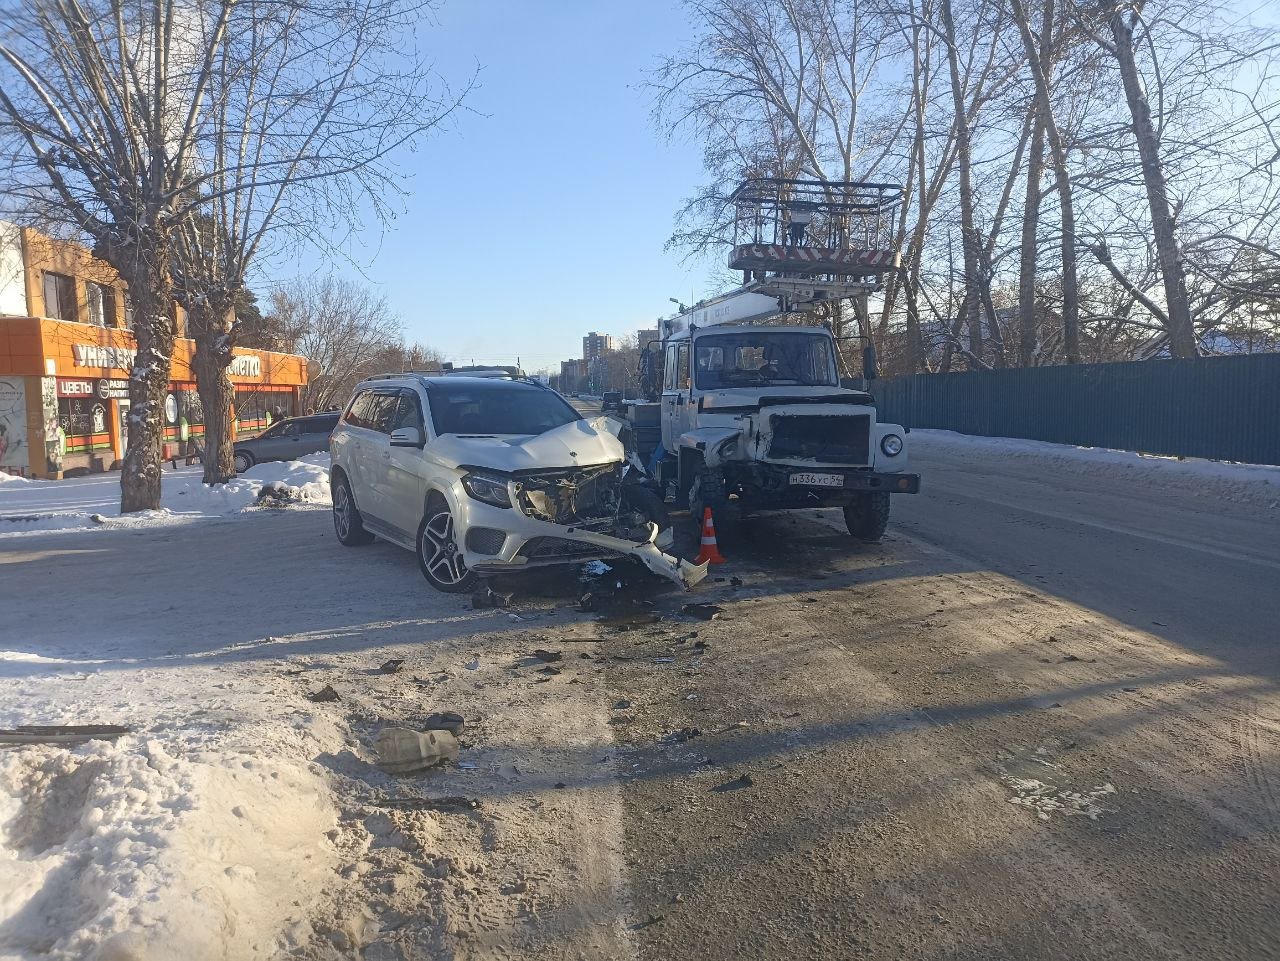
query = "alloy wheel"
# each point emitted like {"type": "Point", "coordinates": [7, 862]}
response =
{"type": "Point", "coordinates": [440, 554]}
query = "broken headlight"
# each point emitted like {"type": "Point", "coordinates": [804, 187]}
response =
{"type": "Point", "coordinates": [489, 488]}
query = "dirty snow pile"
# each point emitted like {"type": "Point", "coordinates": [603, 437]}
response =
{"type": "Point", "coordinates": [94, 502]}
{"type": "Point", "coordinates": [305, 481]}
{"type": "Point", "coordinates": [203, 835]}
{"type": "Point", "coordinates": [1243, 483]}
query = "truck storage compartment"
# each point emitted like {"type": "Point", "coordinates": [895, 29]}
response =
{"type": "Point", "coordinates": [825, 438]}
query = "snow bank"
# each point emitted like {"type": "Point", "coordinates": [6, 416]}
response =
{"type": "Point", "coordinates": [203, 836]}
{"type": "Point", "coordinates": [1243, 483]}
{"type": "Point", "coordinates": [7, 478]}
{"type": "Point", "coordinates": [41, 505]}
{"type": "Point", "coordinates": [136, 851]}
{"type": "Point", "coordinates": [306, 481]}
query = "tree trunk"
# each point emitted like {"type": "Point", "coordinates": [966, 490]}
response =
{"type": "Point", "coordinates": [1182, 339]}
{"type": "Point", "coordinates": [213, 382]}
{"type": "Point", "coordinates": [1041, 63]}
{"type": "Point", "coordinates": [971, 309]}
{"type": "Point", "coordinates": [152, 297]}
{"type": "Point", "coordinates": [1028, 329]}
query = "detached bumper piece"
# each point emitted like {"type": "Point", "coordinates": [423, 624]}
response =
{"type": "Point", "coordinates": [647, 553]}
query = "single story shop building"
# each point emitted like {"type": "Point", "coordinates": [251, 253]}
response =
{"type": "Point", "coordinates": [66, 349]}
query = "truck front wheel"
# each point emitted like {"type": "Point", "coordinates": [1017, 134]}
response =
{"type": "Point", "coordinates": [708, 491]}
{"type": "Point", "coordinates": [867, 516]}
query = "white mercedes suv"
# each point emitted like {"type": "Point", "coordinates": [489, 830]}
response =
{"type": "Point", "coordinates": [484, 475]}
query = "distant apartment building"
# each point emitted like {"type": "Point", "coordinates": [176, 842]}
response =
{"type": "Point", "coordinates": [646, 336]}
{"type": "Point", "coordinates": [595, 346]}
{"type": "Point", "coordinates": [571, 375]}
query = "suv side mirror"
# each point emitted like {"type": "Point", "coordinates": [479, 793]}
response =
{"type": "Point", "coordinates": [869, 362]}
{"type": "Point", "coordinates": [407, 437]}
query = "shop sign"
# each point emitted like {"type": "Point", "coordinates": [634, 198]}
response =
{"type": "Point", "coordinates": [70, 387]}
{"type": "Point", "coordinates": [171, 409]}
{"type": "Point", "coordinates": [247, 365]}
{"type": "Point", "coordinates": [94, 355]}
{"type": "Point", "coordinates": [112, 389]}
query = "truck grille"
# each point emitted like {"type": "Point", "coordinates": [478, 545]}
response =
{"type": "Point", "coordinates": [825, 438]}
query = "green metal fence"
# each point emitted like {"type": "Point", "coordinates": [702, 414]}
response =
{"type": "Point", "coordinates": [1226, 408]}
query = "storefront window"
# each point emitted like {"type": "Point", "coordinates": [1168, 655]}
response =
{"type": "Point", "coordinates": [256, 409]}
{"type": "Point", "coordinates": [84, 422]}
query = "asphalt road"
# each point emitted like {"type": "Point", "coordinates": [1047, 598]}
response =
{"type": "Point", "coordinates": [1040, 720]}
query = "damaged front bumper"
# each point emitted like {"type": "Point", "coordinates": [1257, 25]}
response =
{"type": "Point", "coordinates": [551, 522]}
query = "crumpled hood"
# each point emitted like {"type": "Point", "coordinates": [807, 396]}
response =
{"type": "Point", "coordinates": [582, 443]}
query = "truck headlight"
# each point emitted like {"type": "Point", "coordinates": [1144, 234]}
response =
{"type": "Point", "coordinates": [891, 444]}
{"type": "Point", "coordinates": [488, 488]}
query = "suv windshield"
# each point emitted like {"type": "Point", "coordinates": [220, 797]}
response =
{"type": "Point", "coordinates": [497, 407]}
{"type": "Point", "coordinates": [761, 359]}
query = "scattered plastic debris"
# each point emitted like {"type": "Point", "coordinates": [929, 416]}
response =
{"type": "Point", "coordinates": [403, 751]}
{"type": "Point", "coordinates": [449, 721]}
{"type": "Point", "coordinates": [703, 612]}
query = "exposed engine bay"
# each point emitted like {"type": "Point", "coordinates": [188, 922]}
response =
{"type": "Point", "coordinates": [590, 498]}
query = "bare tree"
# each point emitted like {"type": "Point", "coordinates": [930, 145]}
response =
{"type": "Point", "coordinates": [97, 106]}
{"type": "Point", "coordinates": [176, 137]}
{"type": "Point", "coordinates": [345, 331]}
{"type": "Point", "coordinates": [305, 116]}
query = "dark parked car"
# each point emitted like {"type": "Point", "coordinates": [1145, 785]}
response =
{"type": "Point", "coordinates": [288, 439]}
{"type": "Point", "coordinates": [611, 400]}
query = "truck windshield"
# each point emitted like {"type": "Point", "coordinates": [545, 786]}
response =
{"type": "Point", "coordinates": [758, 358]}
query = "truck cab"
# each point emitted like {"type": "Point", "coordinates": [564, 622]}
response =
{"type": "Point", "coordinates": [756, 418]}
{"type": "Point", "coordinates": [754, 412]}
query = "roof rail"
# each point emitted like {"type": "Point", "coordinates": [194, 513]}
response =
{"type": "Point", "coordinates": [421, 375]}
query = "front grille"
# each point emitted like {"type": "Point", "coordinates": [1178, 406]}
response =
{"type": "Point", "coordinates": [543, 548]}
{"type": "Point", "coordinates": [485, 540]}
{"type": "Point", "coordinates": [825, 438]}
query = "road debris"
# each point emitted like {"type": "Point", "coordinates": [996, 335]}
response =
{"type": "Point", "coordinates": [547, 656]}
{"type": "Point", "coordinates": [486, 598]}
{"type": "Point", "coordinates": [449, 721]}
{"type": "Point", "coordinates": [737, 784]}
{"type": "Point", "coordinates": [703, 612]}
{"type": "Point", "coordinates": [680, 736]}
{"type": "Point", "coordinates": [326, 693]}
{"type": "Point", "coordinates": [62, 733]}
{"type": "Point", "coordinates": [392, 666]}
{"type": "Point", "coordinates": [403, 751]}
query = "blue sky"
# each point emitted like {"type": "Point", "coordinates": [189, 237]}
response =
{"type": "Point", "coordinates": [543, 213]}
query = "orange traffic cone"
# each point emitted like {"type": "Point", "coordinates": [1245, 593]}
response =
{"type": "Point", "coordinates": [710, 553]}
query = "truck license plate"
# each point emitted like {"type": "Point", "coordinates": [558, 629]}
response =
{"type": "Point", "coordinates": [818, 480]}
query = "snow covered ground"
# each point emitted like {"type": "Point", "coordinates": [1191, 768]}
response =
{"type": "Point", "coordinates": [94, 501]}
{"type": "Point", "coordinates": [1243, 483]}
{"type": "Point", "coordinates": [240, 819]}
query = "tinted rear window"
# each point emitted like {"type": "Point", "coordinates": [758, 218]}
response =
{"type": "Point", "coordinates": [319, 425]}
{"type": "Point", "coordinates": [498, 407]}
